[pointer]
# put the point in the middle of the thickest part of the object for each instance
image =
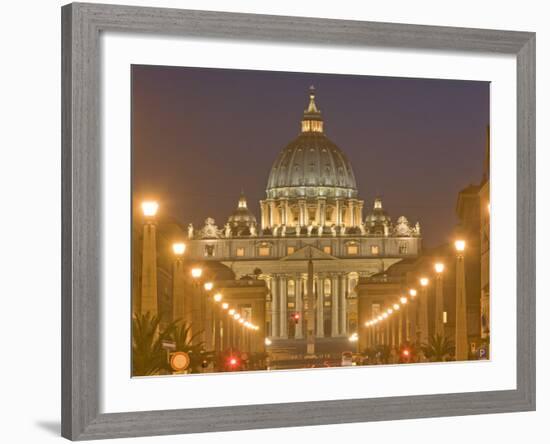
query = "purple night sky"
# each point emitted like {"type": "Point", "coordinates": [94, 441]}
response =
{"type": "Point", "coordinates": [200, 136]}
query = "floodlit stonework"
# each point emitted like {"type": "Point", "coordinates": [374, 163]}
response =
{"type": "Point", "coordinates": [311, 212]}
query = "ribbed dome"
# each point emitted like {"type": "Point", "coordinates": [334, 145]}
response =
{"type": "Point", "coordinates": [311, 164]}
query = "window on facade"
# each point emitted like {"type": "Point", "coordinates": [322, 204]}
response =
{"type": "Point", "coordinates": [353, 249]}
{"type": "Point", "coordinates": [209, 250]}
{"type": "Point", "coordinates": [326, 287]}
{"type": "Point", "coordinates": [240, 252]}
{"type": "Point", "coordinates": [374, 250]}
{"type": "Point", "coordinates": [264, 251]}
{"type": "Point", "coordinates": [291, 305]}
{"type": "Point", "coordinates": [375, 310]}
{"type": "Point", "coordinates": [327, 249]}
{"type": "Point", "coordinates": [327, 303]}
{"type": "Point", "coordinates": [352, 284]}
{"type": "Point", "coordinates": [403, 249]}
{"type": "Point", "coordinates": [291, 288]}
{"type": "Point", "coordinates": [290, 250]}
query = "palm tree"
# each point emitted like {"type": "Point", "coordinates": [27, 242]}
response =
{"type": "Point", "coordinates": [185, 343]}
{"type": "Point", "coordinates": [148, 356]}
{"type": "Point", "coordinates": [438, 348]}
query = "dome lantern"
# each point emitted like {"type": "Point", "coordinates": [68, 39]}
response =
{"type": "Point", "coordinates": [312, 120]}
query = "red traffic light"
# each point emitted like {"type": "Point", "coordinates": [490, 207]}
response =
{"type": "Point", "coordinates": [296, 317]}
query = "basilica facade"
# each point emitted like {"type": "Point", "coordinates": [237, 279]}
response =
{"type": "Point", "coordinates": [312, 241]}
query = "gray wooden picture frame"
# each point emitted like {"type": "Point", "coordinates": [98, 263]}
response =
{"type": "Point", "coordinates": [81, 206]}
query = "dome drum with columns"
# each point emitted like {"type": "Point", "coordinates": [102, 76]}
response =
{"type": "Point", "coordinates": [312, 210]}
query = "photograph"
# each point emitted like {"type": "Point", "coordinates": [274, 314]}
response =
{"type": "Point", "coordinates": [290, 220]}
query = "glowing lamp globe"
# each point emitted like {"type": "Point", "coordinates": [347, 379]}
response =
{"type": "Point", "coordinates": [149, 208]}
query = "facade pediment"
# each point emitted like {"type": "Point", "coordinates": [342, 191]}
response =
{"type": "Point", "coordinates": [308, 252]}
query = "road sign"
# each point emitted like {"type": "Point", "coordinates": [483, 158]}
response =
{"type": "Point", "coordinates": [179, 361]}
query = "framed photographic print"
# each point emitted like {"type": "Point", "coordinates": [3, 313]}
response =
{"type": "Point", "coordinates": [278, 221]}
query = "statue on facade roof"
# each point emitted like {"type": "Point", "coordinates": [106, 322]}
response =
{"type": "Point", "coordinates": [227, 230]}
{"type": "Point", "coordinates": [275, 230]}
{"type": "Point", "coordinates": [333, 230]}
{"type": "Point", "coordinates": [343, 229]}
{"type": "Point", "coordinates": [283, 230]}
{"type": "Point", "coordinates": [309, 229]}
{"type": "Point", "coordinates": [402, 228]}
{"type": "Point", "coordinates": [190, 230]}
{"type": "Point", "coordinates": [320, 230]}
{"type": "Point", "coordinates": [210, 230]}
{"type": "Point", "coordinates": [253, 231]}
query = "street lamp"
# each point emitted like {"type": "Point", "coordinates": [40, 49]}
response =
{"type": "Point", "coordinates": [178, 248]}
{"type": "Point", "coordinates": [225, 306]}
{"type": "Point", "coordinates": [413, 293]}
{"type": "Point", "coordinates": [461, 334]}
{"type": "Point", "coordinates": [460, 245]}
{"type": "Point", "coordinates": [149, 208]}
{"type": "Point", "coordinates": [403, 300]}
{"type": "Point", "coordinates": [423, 310]}
{"type": "Point", "coordinates": [196, 272]}
{"type": "Point", "coordinates": [218, 297]}
{"type": "Point", "coordinates": [181, 307]}
{"type": "Point", "coordinates": [439, 327]}
{"type": "Point", "coordinates": [149, 297]}
{"type": "Point", "coordinates": [208, 286]}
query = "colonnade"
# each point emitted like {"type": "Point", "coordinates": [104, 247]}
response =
{"type": "Point", "coordinates": [281, 314]}
{"type": "Point", "coordinates": [278, 212]}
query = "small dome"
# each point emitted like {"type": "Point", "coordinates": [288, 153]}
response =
{"type": "Point", "coordinates": [378, 218]}
{"type": "Point", "coordinates": [242, 218]}
{"type": "Point", "coordinates": [311, 164]}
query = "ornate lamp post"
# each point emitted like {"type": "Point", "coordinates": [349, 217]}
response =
{"type": "Point", "coordinates": [461, 335]}
{"type": "Point", "coordinates": [180, 310]}
{"type": "Point", "coordinates": [423, 311]}
{"type": "Point", "coordinates": [149, 297]}
{"type": "Point", "coordinates": [439, 326]}
{"type": "Point", "coordinates": [198, 324]}
{"type": "Point", "coordinates": [411, 317]}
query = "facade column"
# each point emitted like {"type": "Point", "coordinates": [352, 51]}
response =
{"type": "Point", "coordinates": [351, 212]}
{"type": "Point", "coordinates": [343, 305]}
{"type": "Point", "coordinates": [423, 315]}
{"type": "Point", "coordinates": [320, 331]}
{"type": "Point", "coordinates": [323, 211]}
{"type": "Point", "coordinates": [274, 306]}
{"type": "Point", "coordinates": [359, 213]}
{"type": "Point", "coordinates": [318, 213]}
{"type": "Point", "coordinates": [283, 308]}
{"type": "Point", "coordinates": [299, 308]}
{"type": "Point", "coordinates": [338, 217]}
{"type": "Point", "coordinates": [334, 287]}
{"type": "Point", "coordinates": [287, 220]}
{"type": "Point", "coordinates": [400, 319]}
{"type": "Point", "coordinates": [264, 210]}
{"type": "Point", "coordinates": [461, 335]}
{"type": "Point", "coordinates": [272, 221]}
{"type": "Point", "coordinates": [302, 211]}
{"type": "Point", "coordinates": [149, 296]}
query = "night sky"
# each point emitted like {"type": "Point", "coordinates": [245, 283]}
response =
{"type": "Point", "coordinates": [200, 136]}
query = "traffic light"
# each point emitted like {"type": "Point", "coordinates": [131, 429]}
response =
{"type": "Point", "coordinates": [296, 317]}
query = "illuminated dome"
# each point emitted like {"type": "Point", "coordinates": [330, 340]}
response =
{"type": "Point", "coordinates": [311, 165]}
{"type": "Point", "coordinates": [242, 218]}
